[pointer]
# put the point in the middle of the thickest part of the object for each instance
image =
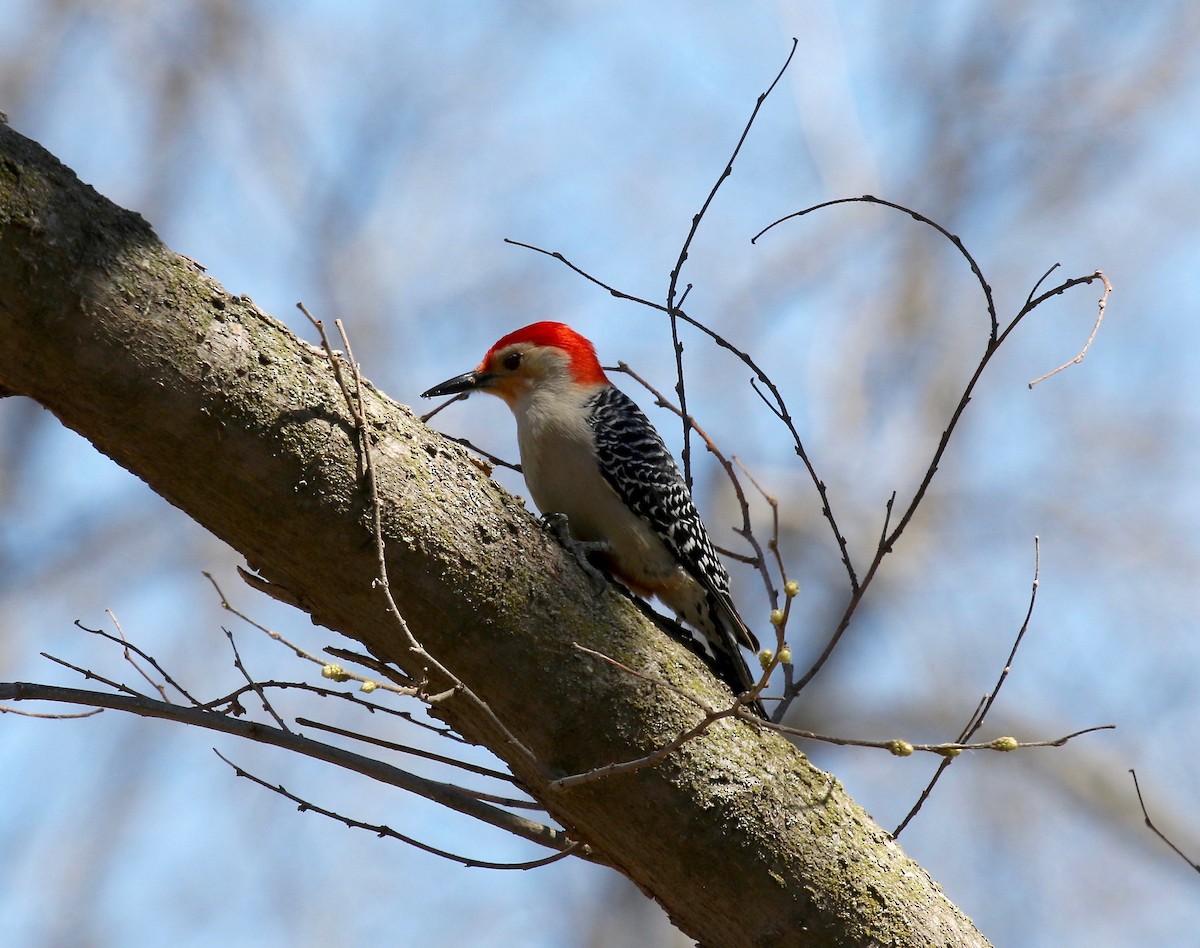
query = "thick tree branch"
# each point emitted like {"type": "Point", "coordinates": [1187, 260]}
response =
{"type": "Point", "coordinates": [240, 424]}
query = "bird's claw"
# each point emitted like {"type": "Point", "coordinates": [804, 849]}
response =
{"type": "Point", "coordinates": [559, 526]}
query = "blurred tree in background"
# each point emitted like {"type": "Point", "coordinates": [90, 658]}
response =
{"type": "Point", "coordinates": [370, 161]}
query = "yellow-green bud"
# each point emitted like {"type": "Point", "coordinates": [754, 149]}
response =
{"type": "Point", "coordinates": [785, 656]}
{"type": "Point", "coordinates": [368, 686]}
{"type": "Point", "coordinates": [950, 751]}
{"type": "Point", "coordinates": [900, 748]}
{"type": "Point", "coordinates": [1005, 744]}
{"type": "Point", "coordinates": [336, 672]}
{"type": "Point", "coordinates": [791, 588]}
{"type": "Point", "coordinates": [776, 617]}
{"type": "Point", "coordinates": [765, 656]}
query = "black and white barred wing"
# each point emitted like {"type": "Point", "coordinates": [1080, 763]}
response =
{"type": "Point", "coordinates": [635, 461]}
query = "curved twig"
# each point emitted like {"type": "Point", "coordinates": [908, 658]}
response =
{"type": "Point", "coordinates": [917, 216]}
{"type": "Point", "coordinates": [386, 831]}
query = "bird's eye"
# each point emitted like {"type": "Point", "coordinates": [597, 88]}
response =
{"type": "Point", "coordinates": [512, 360]}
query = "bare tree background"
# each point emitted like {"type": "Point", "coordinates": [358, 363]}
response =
{"type": "Point", "coordinates": [371, 167]}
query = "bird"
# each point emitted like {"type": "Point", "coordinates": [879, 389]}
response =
{"type": "Point", "coordinates": [589, 454]}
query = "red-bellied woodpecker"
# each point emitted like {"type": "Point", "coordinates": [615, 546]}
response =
{"type": "Point", "coordinates": [589, 453]}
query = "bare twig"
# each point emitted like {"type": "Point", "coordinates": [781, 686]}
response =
{"type": "Point", "coordinates": [1154, 829]}
{"type": "Point", "coordinates": [89, 675]}
{"type": "Point", "coordinates": [903, 748]}
{"type": "Point", "coordinates": [1042, 279]}
{"type": "Point", "coordinates": [921, 218]}
{"type": "Point", "coordinates": [128, 655]}
{"type": "Point", "coordinates": [231, 702]}
{"type": "Point", "coordinates": [388, 832]}
{"type": "Point", "coordinates": [252, 684]}
{"type": "Point", "coordinates": [394, 675]}
{"type": "Point", "coordinates": [492, 459]}
{"type": "Point", "coordinates": [395, 686]}
{"type": "Point", "coordinates": [145, 656]}
{"type": "Point", "coordinates": [1101, 304]}
{"type": "Point", "coordinates": [630, 766]}
{"type": "Point", "coordinates": [414, 751]}
{"type": "Point", "coordinates": [897, 747]}
{"type": "Point", "coordinates": [673, 305]}
{"type": "Point", "coordinates": [982, 713]}
{"type": "Point", "coordinates": [711, 716]}
{"type": "Point", "coordinates": [460, 397]}
{"type": "Point", "coordinates": [975, 722]}
{"type": "Point", "coordinates": [773, 543]}
{"type": "Point", "coordinates": [350, 698]}
{"type": "Point", "coordinates": [51, 717]}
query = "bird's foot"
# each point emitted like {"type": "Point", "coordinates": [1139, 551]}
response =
{"type": "Point", "coordinates": [559, 526]}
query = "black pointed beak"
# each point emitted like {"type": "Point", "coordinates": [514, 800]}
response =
{"type": "Point", "coordinates": [460, 383]}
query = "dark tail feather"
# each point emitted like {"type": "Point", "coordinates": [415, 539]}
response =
{"type": "Point", "coordinates": [726, 665]}
{"type": "Point", "coordinates": [729, 665]}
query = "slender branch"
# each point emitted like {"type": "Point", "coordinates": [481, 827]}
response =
{"type": "Point", "coordinates": [395, 685]}
{"type": "Point", "coordinates": [630, 766]}
{"type": "Point", "coordinates": [1102, 303]}
{"type": "Point", "coordinates": [903, 748]}
{"type": "Point", "coordinates": [1154, 829]}
{"type": "Point", "coordinates": [897, 747]}
{"type": "Point", "coordinates": [89, 675]}
{"type": "Point", "coordinates": [975, 722]}
{"type": "Point", "coordinates": [982, 713]}
{"type": "Point", "coordinates": [728, 170]}
{"type": "Point", "coordinates": [780, 411]}
{"type": "Point", "coordinates": [969, 391]}
{"type": "Point", "coordinates": [252, 684]}
{"type": "Point", "coordinates": [773, 543]}
{"type": "Point", "coordinates": [460, 397]}
{"type": "Point", "coordinates": [127, 653]}
{"type": "Point", "coordinates": [231, 703]}
{"type": "Point", "coordinates": [387, 831]}
{"type": "Point", "coordinates": [445, 794]}
{"type": "Point", "coordinates": [672, 305]}
{"type": "Point", "coordinates": [711, 716]}
{"type": "Point", "coordinates": [397, 677]}
{"type": "Point", "coordinates": [51, 717]}
{"type": "Point", "coordinates": [1045, 276]}
{"type": "Point", "coordinates": [492, 459]}
{"type": "Point", "coordinates": [145, 656]}
{"type": "Point", "coordinates": [1059, 291]}
{"type": "Point", "coordinates": [406, 749]}
{"type": "Point", "coordinates": [224, 704]}
{"type": "Point", "coordinates": [921, 218]}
